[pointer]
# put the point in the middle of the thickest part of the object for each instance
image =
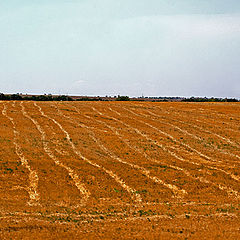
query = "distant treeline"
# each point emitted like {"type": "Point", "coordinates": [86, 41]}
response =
{"type": "Point", "coordinates": [50, 97]}
{"type": "Point", "coordinates": [205, 99]}
{"type": "Point", "coordinates": [35, 97]}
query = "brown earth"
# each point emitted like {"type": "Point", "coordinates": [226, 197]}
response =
{"type": "Point", "coordinates": [119, 170]}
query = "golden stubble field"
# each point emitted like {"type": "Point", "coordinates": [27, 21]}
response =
{"type": "Point", "coordinates": [119, 170]}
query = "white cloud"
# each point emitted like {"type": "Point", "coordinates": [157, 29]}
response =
{"type": "Point", "coordinates": [185, 24]}
{"type": "Point", "coordinates": [79, 82]}
{"type": "Point", "coordinates": [131, 53]}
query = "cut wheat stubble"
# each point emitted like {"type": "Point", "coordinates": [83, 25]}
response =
{"type": "Point", "coordinates": [206, 159]}
{"type": "Point", "coordinates": [134, 148]}
{"type": "Point", "coordinates": [194, 136]}
{"type": "Point", "coordinates": [225, 139]}
{"type": "Point", "coordinates": [221, 118]}
{"type": "Point", "coordinates": [80, 186]}
{"type": "Point", "coordinates": [133, 193]}
{"type": "Point", "coordinates": [231, 192]}
{"type": "Point", "coordinates": [178, 193]}
{"type": "Point", "coordinates": [33, 177]}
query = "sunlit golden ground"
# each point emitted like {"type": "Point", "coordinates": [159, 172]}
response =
{"type": "Point", "coordinates": [119, 170]}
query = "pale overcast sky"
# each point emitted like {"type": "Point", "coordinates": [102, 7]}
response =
{"type": "Point", "coordinates": [126, 47]}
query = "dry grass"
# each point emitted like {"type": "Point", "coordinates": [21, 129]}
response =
{"type": "Point", "coordinates": [125, 170]}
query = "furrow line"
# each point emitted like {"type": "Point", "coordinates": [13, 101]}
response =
{"type": "Point", "coordinates": [217, 135]}
{"type": "Point", "coordinates": [209, 160]}
{"type": "Point", "coordinates": [177, 192]}
{"type": "Point", "coordinates": [192, 135]}
{"type": "Point", "coordinates": [230, 191]}
{"type": "Point", "coordinates": [86, 218]}
{"type": "Point", "coordinates": [133, 193]}
{"type": "Point", "coordinates": [80, 186]}
{"type": "Point", "coordinates": [208, 131]}
{"type": "Point", "coordinates": [187, 173]}
{"type": "Point", "coordinates": [217, 114]}
{"type": "Point", "coordinates": [33, 177]}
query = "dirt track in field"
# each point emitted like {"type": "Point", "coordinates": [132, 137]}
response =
{"type": "Point", "coordinates": [119, 170]}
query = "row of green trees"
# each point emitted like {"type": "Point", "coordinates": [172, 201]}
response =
{"type": "Point", "coordinates": [35, 98]}
{"type": "Point", "coordinates": [205, 99]}
{"type": "Point", "coordinates": [50, 97]}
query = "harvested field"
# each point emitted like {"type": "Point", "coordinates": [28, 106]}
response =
{"type": "Point", "coordinates": [119, 170]}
